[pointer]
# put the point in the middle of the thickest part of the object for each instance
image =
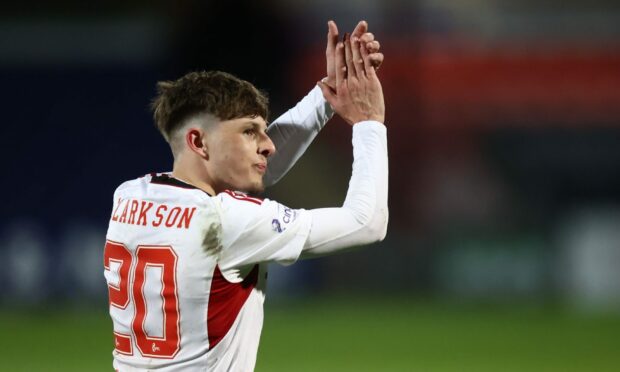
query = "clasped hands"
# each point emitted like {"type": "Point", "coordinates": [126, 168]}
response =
{"type": "Point", "coordinates": [352, 87]}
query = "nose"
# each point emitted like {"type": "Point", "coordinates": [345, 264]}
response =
{"type": "Point", "coordinates": [266, 147]}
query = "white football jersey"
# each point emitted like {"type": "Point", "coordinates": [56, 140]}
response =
{"type": "Point", "coordinates": [186, 273]}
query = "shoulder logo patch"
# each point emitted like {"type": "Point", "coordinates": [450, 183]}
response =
{"type": "Point", "coordinates": [285, 216]}
{"type": "Point", "coordinates": [275, 225]}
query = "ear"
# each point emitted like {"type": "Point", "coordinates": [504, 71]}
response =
{"type": "Point", "coordinates": [196, 142]}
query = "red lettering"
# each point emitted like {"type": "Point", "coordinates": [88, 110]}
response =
{"type": "Point", "coordinates": [174, 212]}
{"type": "Point", "coordinates": [132, 212]}
{"type": "Point", "coordinates": [114, 215]}
{"type": "Point", "coordinates": [159, 215]}
{"type": "Point", "coordinates": [124, 215]}
{"type": "Point", "coordinates": [143, 210]}
{"type": "Point", "coordinates": [186, 217]}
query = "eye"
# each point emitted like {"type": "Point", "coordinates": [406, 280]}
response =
{"type": "Point", "coordinates": [250, 132]}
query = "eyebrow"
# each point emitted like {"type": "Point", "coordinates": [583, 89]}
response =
{"type": "Point", "coordinates": [258, 126]}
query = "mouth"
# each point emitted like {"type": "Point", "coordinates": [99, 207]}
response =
{"type": "Point", "coordinates": [261, 167]}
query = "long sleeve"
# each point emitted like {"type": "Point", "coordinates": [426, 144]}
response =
{"type": "Point", "coordinates": [293, 132]}
{"type": "Point", "coordinates": [256, 230]}
{"type": "Point", "coordinates": [363, 217]}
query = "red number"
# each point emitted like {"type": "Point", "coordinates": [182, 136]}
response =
{"type": "Point", "coordinates": [119, 294]}
{"type": "Point", "coordinates": [168, 345]}
{"type": "Point", "coordinates": [163, 257]}
{"type": "Point", "coordinates": [118, 253]}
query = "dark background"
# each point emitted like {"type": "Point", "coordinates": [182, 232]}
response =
{"type": "Point", "coordinates": [503, 125]}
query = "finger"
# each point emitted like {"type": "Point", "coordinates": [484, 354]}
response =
{"type": "Point", "coordinates": [349, 57]}
{"type": "Point", "coordinates": [376, 59]}
{"type": "Point", "coordinates": [367, 37]}
{"type": "Point", "coordinates": [360, 29]}
{"type": "Point", "coordinates": [341, 67]}
{"type": "Point", "coordinates": [358, 62]}
{"type": "Point", "coordinates": [370, 71]}
{"type": "Point", "coordinates": [373, 46]}
{"type": "Point", "coordinates": [332, 40]}
{"type": "Point", "coordinates": [332, 35]}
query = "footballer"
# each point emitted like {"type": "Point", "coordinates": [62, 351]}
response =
{"type": "Point", "coordinates": [186, 251]}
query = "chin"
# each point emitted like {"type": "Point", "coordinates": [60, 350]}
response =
{"type": "Point", "coordinates": [256, 188]}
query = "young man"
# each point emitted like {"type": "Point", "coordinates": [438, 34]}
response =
{"type": "Point", "coordinates": [186, 252]}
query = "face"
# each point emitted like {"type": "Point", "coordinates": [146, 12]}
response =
{"type": "Point", "coordinates": [238, 150]}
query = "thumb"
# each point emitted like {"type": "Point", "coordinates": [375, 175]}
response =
{"type": "Point", "coordinates": [328, 93]}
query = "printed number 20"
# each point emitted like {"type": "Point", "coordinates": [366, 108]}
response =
{"type": "Point", "coordinates": [162, 257]}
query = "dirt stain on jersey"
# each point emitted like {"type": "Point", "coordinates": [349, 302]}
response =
{"type": "Point", "coordinates": [212, 242]}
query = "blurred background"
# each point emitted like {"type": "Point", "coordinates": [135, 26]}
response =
{"type": "Point", "coordinates": [503, 249]}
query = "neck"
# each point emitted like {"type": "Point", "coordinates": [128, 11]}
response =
{"type": "Point", "coordinates": [192, 172]}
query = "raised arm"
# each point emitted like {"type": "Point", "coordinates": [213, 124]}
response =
{"type": "Point", "coordinates": [295, 130]}
{"type": "Point", "coordinates": [358, 99]}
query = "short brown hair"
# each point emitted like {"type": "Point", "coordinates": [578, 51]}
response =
{"type": "Point", "coordinates": [213, 92]}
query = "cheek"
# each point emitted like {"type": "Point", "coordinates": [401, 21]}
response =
{"type": "Point", "coordinates": [232, 159]}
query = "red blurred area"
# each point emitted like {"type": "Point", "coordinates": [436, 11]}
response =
{"type": "Point", "coordinates": [469, 85]}
{"type": "Point", "coordinates": [442, 98]}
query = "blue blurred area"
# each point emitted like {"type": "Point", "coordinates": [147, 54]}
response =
{"type": "Point", "coordinates": [503, 123]}
{"type": "Point", "coordinates": [73, 134]}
